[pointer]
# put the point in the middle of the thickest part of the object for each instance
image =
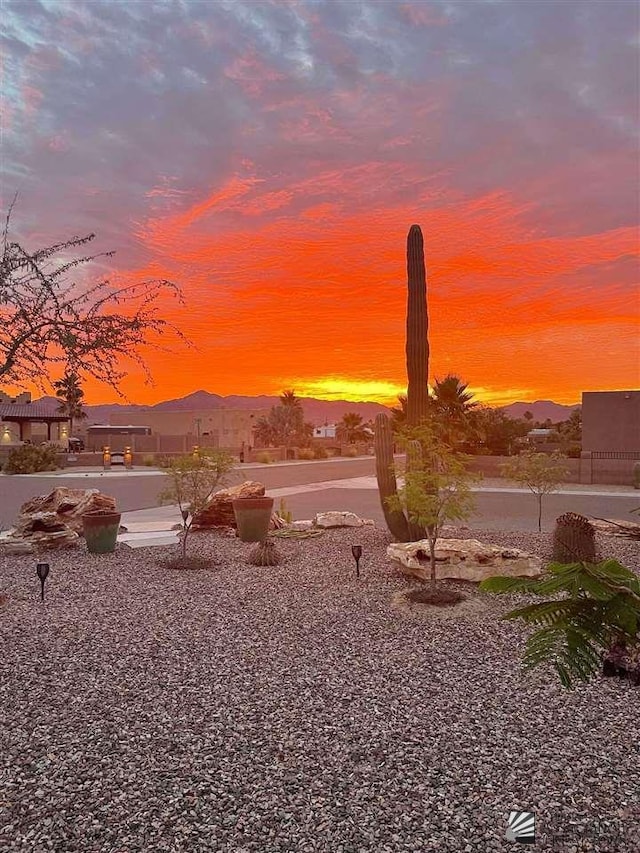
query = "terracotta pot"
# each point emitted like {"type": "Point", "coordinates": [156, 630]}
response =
{"type": "Point", "coordinates": [100, 530]}
{"type": "Point", "coordinates": [253, 516]}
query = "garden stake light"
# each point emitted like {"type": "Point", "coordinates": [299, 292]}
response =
{"type": "Point", "coordinates": [356, 550]}
{"type": "Point", "coordinates": [42, 570]}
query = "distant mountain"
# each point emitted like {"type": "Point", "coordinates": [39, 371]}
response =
{"type": "Point", "coordinates": [190, 403]}
{"type": "Point", "coordinates": [316, 412]}
{"type": "Point", "coordinates": [541, 410]}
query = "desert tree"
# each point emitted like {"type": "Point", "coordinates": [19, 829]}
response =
{"type": "Point", "coordinates": [541, 473]}
{"type": "Point", "coordinates": [437, 487]}
{"type": "Point", "coordinates": [191, 480]}
{"type": "Point", "coordinates": [47, 318]}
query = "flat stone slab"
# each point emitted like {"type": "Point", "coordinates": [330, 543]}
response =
{"type": "Point", "coordinates": [147, 540]}
{"type": "Point", "coordinates": [150, 526]}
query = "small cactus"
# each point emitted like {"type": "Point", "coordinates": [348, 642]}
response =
{"type": "Point", "coordinates": [574, 539]}
{"type": "Point", "coordinates": [264, 554]}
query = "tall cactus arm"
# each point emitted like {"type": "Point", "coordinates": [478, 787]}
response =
{"type": "Point", "coordinates": [417, 347]}
{"type": "Point", "coordinates": [385, 474]}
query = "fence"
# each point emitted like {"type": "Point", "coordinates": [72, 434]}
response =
{"type": "Point", "coordinates": [614, 467]}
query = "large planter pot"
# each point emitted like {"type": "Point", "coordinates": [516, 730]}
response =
{"type": "Point", "coordinates": [253, 516]}
{"type": "Point", "coordinates": [101, 531]}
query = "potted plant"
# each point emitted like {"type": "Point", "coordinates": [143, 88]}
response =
{"type": "Point", "coordinates": [100, 529]}
{"type": "Point", "coordinates": [253, 516]}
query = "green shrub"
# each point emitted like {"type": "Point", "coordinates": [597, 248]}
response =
{"type": "Point", "coordinates": [351, 451]}
{"type": "Point", "coordinates": [29, 459]}
{"type": "Point", "coordinates": [265, 457]}
{"type": "Point", "coordinates": [163, 461]}
{"type": "Point", "coordinates": [320, 453]}
{"type": "Point", "coordinates": [599, 609]}
{"type": "Point", "coordinates": [306, 453]}
{"type": "Point", "coordinates": [636, 476]}
{"type": "Point", "coordinates": [149, 460]}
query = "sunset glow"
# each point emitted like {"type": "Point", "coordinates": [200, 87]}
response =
{"type": "Point", "coordinates": [270, 158]}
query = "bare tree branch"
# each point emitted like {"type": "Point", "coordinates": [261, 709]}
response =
{"type": "Point", "coordinates": [44, 320]}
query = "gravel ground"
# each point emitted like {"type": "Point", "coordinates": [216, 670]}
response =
{"type": "Point", "coordinates": [293, 709]}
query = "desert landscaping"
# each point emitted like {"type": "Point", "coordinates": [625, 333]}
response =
{"type": "Point", "coordinates": [294, 707]}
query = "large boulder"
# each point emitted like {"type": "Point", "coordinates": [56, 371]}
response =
{"type": "Point", "coordinates": [43, 530]}
{"type": "Point", "coordinates": [219, 509]}
{"type": "Point", "coordinates": [336, 518]}
{"type": "Point", "coordinates": [69, 505]}
{"type": "Point", "coordinates": [463, 559]}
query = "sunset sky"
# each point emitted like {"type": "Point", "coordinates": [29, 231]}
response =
{"type": "Point", "coordinates": [270, 157]}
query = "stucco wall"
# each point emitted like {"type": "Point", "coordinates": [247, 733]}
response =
{"type": "Point", "coordinates": [610, 421]}
{"type": "Point", "coordinates": [229, 427]}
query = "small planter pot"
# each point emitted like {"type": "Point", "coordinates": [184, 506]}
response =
{"type": "Point", "coordinates": [253, 516]}
{"type": "Point", "coordinates": [101, 531]}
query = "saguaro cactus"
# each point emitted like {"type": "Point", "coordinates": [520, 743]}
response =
{"type": "Point", "coordinates": [387, 484]}
{"type": "Point", "coordinates": [417, 350]}
{"type": "Point", "coordinates": [417, 347]}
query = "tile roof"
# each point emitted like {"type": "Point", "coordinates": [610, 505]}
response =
{"type": "Point", "coordinates": [29, 410]}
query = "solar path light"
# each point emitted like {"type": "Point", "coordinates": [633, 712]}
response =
{"type": "Point", "coordinates": [356, 550]}
{"type": "Point", "coordinates": [42, 570]}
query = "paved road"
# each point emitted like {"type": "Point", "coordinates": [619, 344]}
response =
{"type": "Point", "coordinates": [310, 487]}
{"type": "Point", "coordinates": [505, 510]}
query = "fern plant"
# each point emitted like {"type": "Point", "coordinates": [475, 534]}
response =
{"type": "Point", "coordinates": [599, 607]}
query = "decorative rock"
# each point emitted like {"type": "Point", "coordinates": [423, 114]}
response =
{"type": "Point", "coordinates": [219, 509]}
{"type": "Point", "coordinates": [44, 529]}
{"type": "Point", "coordinates": [335, 518]}
{"type": "Point", "coordinates": [304, 524]}
{"type": "Point", "coordinates": [463, 559]}
{"type": "Point", "coordinates": [69, 505]}
{"type": "Point", "coordinates": [16, 546]}
{"type": "Point", "coordinates": [616, 527]}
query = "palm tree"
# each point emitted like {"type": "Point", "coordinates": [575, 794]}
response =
{"type": "Point", "coordinates": [288, 399]}
{"type": "Point", "coordinates": [452, 407]}
{"type": "Point", "coordinates": [399, 413]}
{"type": "Point", "coordinates": [287, 419]}
{"type": "Point", "coordinates": [263, 433]}
{"type": "Point", "coordinates": [351, 427]}
{"type": "Point", "coordinates": [68, 390]}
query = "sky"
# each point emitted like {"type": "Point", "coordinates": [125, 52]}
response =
{"type": "Point", "coordinates": [270, 158]}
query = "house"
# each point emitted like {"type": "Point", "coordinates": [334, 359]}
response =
{"type": "Point", "coordinates": [610, 436]}
{"type": "Point", "coordinates": [542, 436]}
{"type": "Point", "coordinates": [19, 414]}
{"type": "Point", "coordinates": [325, 431]}
{"type": "Point", "coordinates": [611, 421]}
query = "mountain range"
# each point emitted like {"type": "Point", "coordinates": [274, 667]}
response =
{"type": "Point", "coordinates": [316, 411]}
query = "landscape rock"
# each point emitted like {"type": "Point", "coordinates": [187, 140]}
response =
{"type": "Point", "coordinates": [69, 505]}
{"type": "Point", "coordinates": [303, 524]}
{"type": "Point", "coordinates": [616, 527]}
{"type": "Point", "coordinates": [219, 509]}
{"type": "Point", "coordinates": [16, 546]}
{"type": "Point", "coordinates": [44, 530]}
{"type": "Point", "coordinates": [463, 559]}
{"type": "Point", "coordinates": [335, 518]}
